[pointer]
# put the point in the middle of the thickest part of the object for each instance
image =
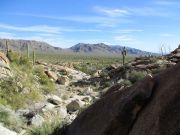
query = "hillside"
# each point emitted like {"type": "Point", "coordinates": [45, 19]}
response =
{"type": "Point", "coordinates": [21, 45]}
{"type": "Point", "coordinates": [94, 49]}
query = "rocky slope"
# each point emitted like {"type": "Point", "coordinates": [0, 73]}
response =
{"type": "Point", "coordinates": [150, 107]}
{"type": "Point", "coordinates": [65, 103]}
{"type": "Point", "coordinates": [120, 106]}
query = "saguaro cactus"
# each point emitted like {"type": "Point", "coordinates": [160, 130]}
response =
{"type": "Point", "coordinates": [34, 57]}
{"type": "Point", "coordinates": [124, 52]}
{"type": "Point", "coordinates": [7, 48]}
{"type": "Point", "coordinates": [27, 51]}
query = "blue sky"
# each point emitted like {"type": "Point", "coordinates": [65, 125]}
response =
{"type": "Point", "coordinates": [142, 24]}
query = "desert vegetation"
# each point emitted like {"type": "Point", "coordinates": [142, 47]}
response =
{"type": "Point", "coordinates": [41, 94]}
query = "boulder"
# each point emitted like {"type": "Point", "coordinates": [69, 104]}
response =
{"type": "Point", "coordinates": [97, 73]}
{"type": "Point", "coordinates": [62, 112]}
{"type": "Point", "coordinates": [86, 99]}
{"type": "Point", "coordinates": [48, 107]}
{"type": "Point", "coordinates": [53, 99]}
{"type": "Point", "coordinates": [37, 120]}
{"type": "Point", "coordinates": [149, 107]}
{"type": "Point", "coordinates": [62, 80]}
{"type": "Point", "coordinates": [37, 107]}
{"type": "Point", "coordinates": [5, 131]}
{"type": "Point", "coordinates": [51, 75]}
{"type": "Point", "coordinates": [74, 105]}
{"type": "Point", "coordinates": [161, 116]}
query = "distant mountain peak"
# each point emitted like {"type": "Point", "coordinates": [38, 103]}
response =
{"type": "Point", "coordinates": [86, 48]}
{"type": "Point", "coordinates": [101, 48]}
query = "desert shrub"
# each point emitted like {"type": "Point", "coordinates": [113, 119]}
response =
{"type": "Point", "coordinates": [26, 85]}
{"type": "Point", "coordinates": [47, 128]}
{"type": "Point", "coordinates": [19, 59]}
{"type": "Point", "coordinates": [47, 85]}
{"type": "Point", "coordinates": [16, 93]}
{"type": "Point", "coordinates": [9, 92]}
{"type": "Point", "coordinates": [135, 76]}
{"type": "Point", "coordinates": [24, 61]}
{"type": "Point", "coordinates": [14, 56]}
{"type": "Point", "coordinates": [9, 119]}
{"type": "Point", "coordinates": [158, 70]}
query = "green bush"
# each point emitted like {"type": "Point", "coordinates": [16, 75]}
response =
{"type": "Point", "coordinates": [135, 76]}
{"type": "Point", "coordinates": [9, 119]}
{"type": "Point", "coordinates": [48, 128]}
{"type": "Point", "coordinates": [46, 84]}
{"type": "Point", "coordinates": [26, 85]}
{"type": "Point", "coordinates": [14, 56]}
{"type": "Point", "coordinates": [17, 92]}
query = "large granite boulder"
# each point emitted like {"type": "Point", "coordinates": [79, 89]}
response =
{"type": "Point", "coordinates": [149, 107]}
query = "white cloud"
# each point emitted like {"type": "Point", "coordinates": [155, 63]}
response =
{"type": "Point", "coordinates": [45, 29]}
{"type": "Point", "coordinates": [128, 40]}
{"type": "Point", "coordinates": [97, 20]}
{"type": "Point", "coordinates": [112, 12]}
{"type": "Point", "coordinates": [36, 28]}
{"type": "Point", "coordinates": [149, 11]}
{"type": "Point", "coordinates": [127, 31]}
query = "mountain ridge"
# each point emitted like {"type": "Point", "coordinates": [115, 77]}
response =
{"type": "Point", "coordinates": [103, 48]}
{"type": "Point", "coordinates": [84, 48]}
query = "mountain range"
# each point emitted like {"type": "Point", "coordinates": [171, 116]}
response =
{"type": "Point", "coordinates": [43, 47]}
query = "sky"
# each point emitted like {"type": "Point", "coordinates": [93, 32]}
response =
{"type": "Point", "coordinates": [143, 24]}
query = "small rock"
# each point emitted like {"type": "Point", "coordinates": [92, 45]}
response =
{"type": "Point", "coordinates": [51, 74]}
{"type": "Point", "coordinates": [62, 112]}
{"type": "Point", "coordinates": [22, 112]}
{"type": "Point", "coordinates": [87, 99]}
{"type": "Point", "coordinates": [97, 73]}
{"type": "Point", "coordinates": [29, 115]}
{"type": "Point", "coordinates": [48, 107]}
{"type": "Point", "coordinates": [37, 120]}
{"type": "Point", "coordinates": [62, 80]}
{"type": "Point", "coordinates": [54, 100]}
{"type": "Point", "coordinates": [37, 107]}
{"type": "Point", "coordinates": [74, 105]}
{"type": "Point", "coordinates": [88, 91]}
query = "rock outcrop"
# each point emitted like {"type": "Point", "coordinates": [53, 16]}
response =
{"type": "Point", "coordinates": [175, 55]}
{"type": "Point", "coordinates": [150, 107]}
